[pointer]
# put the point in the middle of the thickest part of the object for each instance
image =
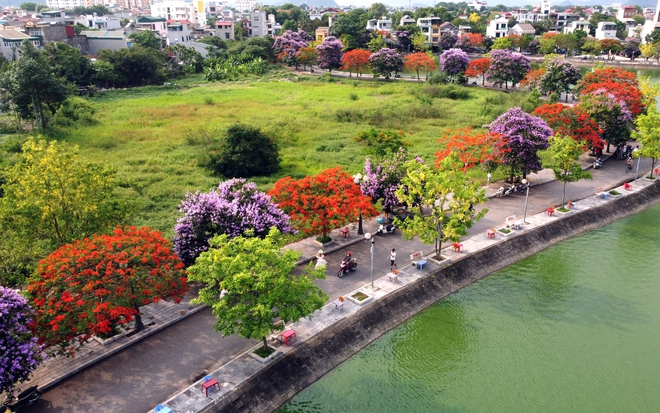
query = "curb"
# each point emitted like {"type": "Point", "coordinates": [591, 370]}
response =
{"type": "Point", "coordinates": [109, 353]}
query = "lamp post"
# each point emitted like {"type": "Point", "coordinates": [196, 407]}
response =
{"type": "Point", "coordinates": [639, 160]}
{"type": "Point", "coordinates": [358, 179]}
{"type": "Point", "coordinates": [526, 183]}
{"type": "Point", "coordinates": [368, 237]}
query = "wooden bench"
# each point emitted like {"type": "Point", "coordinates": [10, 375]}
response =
{"type": "Point", "coordinates": [417, 260]}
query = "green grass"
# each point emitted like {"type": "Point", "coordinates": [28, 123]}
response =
{"type": "Point", "coordinates": [142, 132]}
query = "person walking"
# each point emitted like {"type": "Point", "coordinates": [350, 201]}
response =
{"type": "Point", "coordinates": [489, 178]}
{"type": "Point", "coordinates": [392, 258]}
{"type": "Point", "coordinates": [629, 164]}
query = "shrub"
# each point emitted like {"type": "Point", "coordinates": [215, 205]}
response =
{"type": "Point", "coordinates": [74, 110]}
{"type": "Point", "coordinates": [438, 79]}
{"type": "Point", "coordinates": [353, 96]}
{"type": "Point", "coordinates": [245, 152]}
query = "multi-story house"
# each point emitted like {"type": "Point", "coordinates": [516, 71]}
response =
{"type": "Point", "coordinates": [562, 19]}
{"type": "Point", "coordinates": [258, 24]}
{"type": "Point", "coordinates": [606, 30]}
{"type": "Point", "coordinates": [431, 28]}
{"type": "Point", "coordinates": [11, 40]}
{"type": "Point", "coordinates": [179, 31]}
{"type": "Point", "coordinates": [245, 5]}
{"type": "Point", "coordinates": [406, 20]}
{"type": "Point", "coordinates": [577, 25]}
{"type": "Point", "coordinates": [224, 28]}
{"type": "Point", "coordinates": [322, 33]}
{"type": "Point", "coordinates": [498, 27]}
{"type": "Point", "coordinates": [155, 24]}
{"type": "Point", "coordinates": [449, 27]}
{"type": "Point", "coordinates": [105, 40]}
{"type": "Point", "coordinates": [478, 5]}
{"type": "Point", "coordinates": [175, 10]}
{"type": "Point", "coordinates": [528, 16]}
{"type": "Point", "coordinates": [626, 14]}
{"type": "Point", "coordinates": [383, 24]}
{"type": "Point", "coordinates": [98, 22]}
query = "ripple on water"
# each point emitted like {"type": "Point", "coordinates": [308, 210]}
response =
{"type": "Point", "coordinates": [571, 329]}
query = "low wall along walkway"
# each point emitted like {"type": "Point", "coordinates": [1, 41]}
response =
{"type": "Point", "coordinates": [280, 380]}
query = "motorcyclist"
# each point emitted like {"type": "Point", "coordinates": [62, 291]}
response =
{"type": "Point", "coordinates": [348, 258]}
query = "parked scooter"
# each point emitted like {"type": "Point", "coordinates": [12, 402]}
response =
{"type": "Point", "coordinates": [348, 265]}
{"type": "Point", "coordinates": [387, 229]}
{"type": "Point", "coordinates": [598, 164]}
{"type": "Point", "coordinates": [520, 188]}
{"type": "Point", "coordinates": [500, 192]}
{"type": "Point", "coordinates": [25, 398]}
{"type": "Point", "coordinates": [510, 190]}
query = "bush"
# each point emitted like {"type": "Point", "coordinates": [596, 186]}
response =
{"type": "Point", "coordinates": [74, 110]}
{"type": "Point", "coordinates": [447, 92]}
{"type": "Point", "coordinates": [353, 96]}
{"type": "Point", "coordinates": [245, 152]}
{"type": "Point", "coordinates": [439, 79]}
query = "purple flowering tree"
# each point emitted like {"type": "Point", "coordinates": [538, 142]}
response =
{"type": "Point", "coordinates": [329, 53]}
{"type": "Point", "coordinates": [19, 352]}
{"type": "Point", "coordinates": [403, 38]}
{"type": "Point", "coordinates": [233, 208]}
{"type": "Point", "coordinates": [610, 114]}
{"type": "Point", "coordinates": [506, 66]}
{"type": "Point", "coordinates": [560, 76]}
{"type": "Point", "coordinates": [386, 62]}
{"type": "Point", "coordinates": [381, 182]}
{"type": "Point", "coordinates": [447, 41]}
{"type": "Point", "coordinates": [523, 137]}
{"type": "Point", "coordinates": [287, 46]}
{"type": "Point", "coordinates": [454, 62]}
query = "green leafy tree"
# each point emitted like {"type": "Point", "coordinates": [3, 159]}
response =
{"type": "Point", "coordinates": [560, 76]}
{"type": "Point", "coordinates": [29, 6]}
{"type": "Point", "coordinates": [249, 285]}
{"type": "Point", "coordinates": [290, 25]}
{"type": "Point", "coordinates": [381, 142]}
{"type": "Point", "coordinates": [447, 193]}
{"type": "Point", "coordinates": [146, 39]}
{"type": "Point", "coordinates": [33, 87]}
{"type": "Point", "coordinates": [378, 10]}
{"type": "Point", "coordinates": [420, 42]}
{"type": "Point", "coordinates": [245, 152]}
{"type": "Point", "coordinates": [67, 62]}
{"type": "Point", "coordinates": [502, 43]}
{"type": "Point", "coordinates": [376, 43]}
{"type": "Point", "coordinates": [564, 153]}
{"type": "Point", "coordinates": [648, 135]}
{"type": "Point", "coordinates": [192, 60]}
{"type": "Point", "coordinates": [215, 41]}
{"type": "Point", "coordinates": [52, 198]}
{"type": "Point", "coordinates": [136, 66]}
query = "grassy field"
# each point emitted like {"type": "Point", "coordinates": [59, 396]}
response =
{"type": "Point", "coordinates": [145, 132]}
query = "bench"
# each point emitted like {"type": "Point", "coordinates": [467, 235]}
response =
{"type": "Point", "coordinates": [417, 260]}
{"type": "Point", "coordinates": [510, 222]}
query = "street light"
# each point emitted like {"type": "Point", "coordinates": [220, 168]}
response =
{"type": "Point", "coordinates": [368, 237]}
{"type": "Point", "coordinates": [639, 159]}
{"type": "Point", "coordinates": [358, 179]}
{"type": "Point", "coordinates": [526, 183]}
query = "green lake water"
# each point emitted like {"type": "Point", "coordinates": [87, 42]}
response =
{"type": "Point", "coordinates": [575, 328]}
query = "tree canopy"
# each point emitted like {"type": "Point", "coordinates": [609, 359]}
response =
{"type": "Point", "coordinates": [246, 151]}
{"type": "Point", "coordinates": [249, 285]}
{"type": "Point", "coordinates": [564, 153]}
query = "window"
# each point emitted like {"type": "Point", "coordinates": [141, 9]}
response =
{"type": "Point", "coordinates": [435, 31]}
{"type": "Point", "coordinates": [255, 18]}
{"type": "Point", "coordinates": [227, 35]}
{"type": "Point", "coordinates": [435, 40]}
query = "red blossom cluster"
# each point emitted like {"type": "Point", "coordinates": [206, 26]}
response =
{"type": "Point", "coordinates": [571, 121]}
{"type": "Point", "coordinates": [473, 148]}
{"type": "Point", "coordinates": [93, 285]}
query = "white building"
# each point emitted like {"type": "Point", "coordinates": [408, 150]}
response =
{"type": "Point", "coordinates": [522, 29]}
{"type": "Point", "coordinates": [527, 16]}
{"type": "Point", "coordinates": [98, 22]}
{"type": "Point", "coordinates": [63, 4]}
{"type": "Point", "coordinates": [245, 5]}
{"type": "Point", "coordinates": [383, 24]}
{"type": "Point", "coordinates": [576, 25]}
{"type": "Point", "coordinates": [498, 27]}
{"type": "Point", "coordinates": [406, 20]}
{"type": "Point", "coordinates": [10, 43]}
{"type": "Point", "coordinates": [606, 30]}
{"type": "Point", "coordinates": [478, 5]}
{"type": "Point", "coordinates": [176, 10]}
{"type": "Point", "coordinates": [258, 24]}
{"type": "Point", "coordinates": [179, 31]}
{"type": "Point", "coordinates": [545, 7]}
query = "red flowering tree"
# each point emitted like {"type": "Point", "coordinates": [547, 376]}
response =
{"type": "Point", "coordinates": [571, 121]}
{"type": "Point", "coordinates": [476, 39]}
{"type": "Point", "coordinates": [93, 285]}
{"type": "Point", "coordinates": [307, 56]}
{"type": "Point", "coordinates": [355, 60]}
{"type": "Point", "coordinates": [609, 74]}
{"type": "Point", "coordinates": [478, 67]}
{"type": "Point", "coordinates": [473, 148]}
{"type": "Point", "coordinates": [419, 61]}
{"type": "Point", "coordinates": [319, 203]}
{"type": "Point", "coordinates": [533, 78]}
{"type": "Point", "coordinates": [622, 91]}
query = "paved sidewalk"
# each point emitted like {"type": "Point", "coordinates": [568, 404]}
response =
{"type": "Point", "coordinates": [160, 315]}
{"type": "Point", "coordinates": [241, 368]}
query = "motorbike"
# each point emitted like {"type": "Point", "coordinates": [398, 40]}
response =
{"type": "Point", "coordinates": [25, 398]}
{"type": "Point", "coordinates": [500, 192]}
{"type": "Point", "coordinates": [598, 164]}
{"type": "Point", "coordinates": [387, 229]}
{"type": "Point", "coordinates": [520, 188]}
{"type": "Point", "coordinates": [348, 265]}
{"type": "Point", "coordinates": [510, 190]}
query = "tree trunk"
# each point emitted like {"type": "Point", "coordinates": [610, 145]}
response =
{"type": "Point", "coordinates": [563, 195]}
{"type": "Point", "coordinates": [265, 343]}
{"type": "Point", "coordinates": [652, 166]}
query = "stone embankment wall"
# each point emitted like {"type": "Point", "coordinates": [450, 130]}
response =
{"type": "Point", "coordinates": [285, 377]}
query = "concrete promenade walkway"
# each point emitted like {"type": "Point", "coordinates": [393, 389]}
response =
{"type": "Point", "coordinates": [163, 314]}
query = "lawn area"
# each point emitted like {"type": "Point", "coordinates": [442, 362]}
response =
{"type": "Point", "coordinates": [143, 132]}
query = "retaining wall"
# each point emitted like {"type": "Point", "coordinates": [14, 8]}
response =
{"type": "Point", "coordinates": [285, 377]}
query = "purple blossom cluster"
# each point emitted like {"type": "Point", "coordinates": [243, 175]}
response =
{"type": "Point", "coordinates": [506, 66]}
{"type": "Point", "coordinates": [525, 135]}
{"type": "Point", "coordinates": [403, 38]}
{"type": "Point", "coordinates": [382, 182]}
{"type": "Point", "coordinates": [611, 114]}
{"type": "Point", "coordinates": [233, 208]}
{"type": "Point", "coordinates": [448, 40]}
{"type": "Point", "coordinates": [329, 53]}
{"type": "Point", "coordinates": [19, 352]}
{"type": "Point", "coordinates": [288, 45]}
{"type": "Point", "coordinates": [386, 62]}
{"type": "Point", "coordinates": [454, 61]}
